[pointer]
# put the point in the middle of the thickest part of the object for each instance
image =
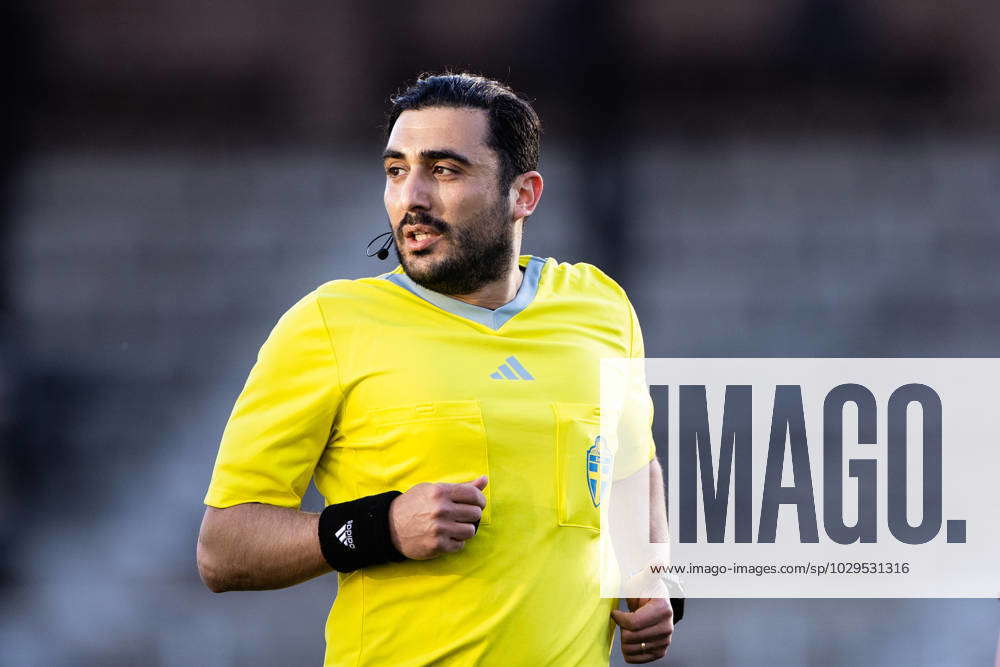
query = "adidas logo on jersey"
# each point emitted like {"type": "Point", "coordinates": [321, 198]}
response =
{"type": "Point", "coordinates": [344, 534]}
{"type": "Point", "coordinates": [511, 370]}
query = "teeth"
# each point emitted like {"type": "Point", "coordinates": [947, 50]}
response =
{"type": "Point", "coordinates": [420, 236]}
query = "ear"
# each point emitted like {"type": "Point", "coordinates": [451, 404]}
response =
{"type": "Point", "coordinates": [527, 191]}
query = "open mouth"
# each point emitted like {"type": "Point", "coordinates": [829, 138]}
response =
{"type": "Point", "coordinates": [420, 237]}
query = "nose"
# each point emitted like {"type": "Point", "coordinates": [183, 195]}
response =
{"type": "Point", "coordinates": [414, 194]}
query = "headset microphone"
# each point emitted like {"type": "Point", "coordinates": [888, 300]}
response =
{"type": "Point", "coordinates": [382, 252]}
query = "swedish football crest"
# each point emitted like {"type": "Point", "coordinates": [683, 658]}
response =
{"type": "Point", "coordinates": [598, 472]}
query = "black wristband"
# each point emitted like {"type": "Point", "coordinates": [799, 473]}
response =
{"type": "Point", "coordinates": [355, 534]}
{"type": "Point", "coordinates": [677, 604]}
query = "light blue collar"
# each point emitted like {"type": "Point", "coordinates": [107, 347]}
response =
{"type": "Point", "coordinates": [494, 319]}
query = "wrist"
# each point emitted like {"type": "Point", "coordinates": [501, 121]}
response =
{"type": "Point", "coordinates": [393, 533]}
{"type": "Point", "coordinates": [357, 533]}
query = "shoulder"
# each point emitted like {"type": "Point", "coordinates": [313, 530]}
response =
{"type": "Point", "coordinates": [347, 288]}
{"type": "Point", "coordinates": [584, 279]}
{"type": "Point", "coordinates": [346, 302]}
{"type": "Point", "coordinates": [311, 310]}
{"type": "Point", "coordinates": [346, 294]}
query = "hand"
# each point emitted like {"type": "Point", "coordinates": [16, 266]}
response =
{"type": "Point", "coordinates": [434, 519]}
{"type": "Point", "coordinates": [649, 621]}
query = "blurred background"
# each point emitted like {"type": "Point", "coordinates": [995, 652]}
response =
{"type": "Point", "coordinates": [766, 178]}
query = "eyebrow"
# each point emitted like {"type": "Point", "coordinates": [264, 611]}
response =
{"type": "Point", "coordinates": [430, 155]}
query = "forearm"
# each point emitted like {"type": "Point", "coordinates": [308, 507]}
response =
{"type": "Point", "coordinates": [658, 531]}
{"type": "Point", "coordinates": [638, 516]}
{"type": "Point", "coordinates": [255, 546]}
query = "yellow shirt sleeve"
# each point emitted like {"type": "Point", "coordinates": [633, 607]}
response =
{"type": "Point", "coordinates": [282, 420]}
{"type": "Point", "coordinates": [636, 447]}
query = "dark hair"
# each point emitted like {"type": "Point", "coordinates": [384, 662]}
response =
{"type": "Point", "coordinates": [514, 128]}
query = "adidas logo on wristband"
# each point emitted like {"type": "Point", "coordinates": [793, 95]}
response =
{"type": "Point", "coordinates": [363, 538]}
{"type": "Point", "coordinates": [344, 534]}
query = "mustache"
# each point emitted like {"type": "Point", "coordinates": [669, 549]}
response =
{"type": "Point", "coordinates": [421, 218]}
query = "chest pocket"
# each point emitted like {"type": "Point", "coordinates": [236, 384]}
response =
{"type": "Point", "coordinates": [441, 441]}
{"type": "Point", "coordinates": [581, 474]}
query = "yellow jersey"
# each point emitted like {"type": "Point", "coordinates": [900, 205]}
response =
{"type": "Point", "coordinates": [378, 384]}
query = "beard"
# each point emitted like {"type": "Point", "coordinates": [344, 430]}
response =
{"type": "Point", "coordinates": [480, 251]}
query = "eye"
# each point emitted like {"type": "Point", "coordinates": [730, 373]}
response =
{"type": "Point", "coordinates": [393, 172]}
{"type": "Point", "coordinates": [442, 170]}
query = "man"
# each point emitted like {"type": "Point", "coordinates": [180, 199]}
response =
{"type": "Point", "coordinates": [468, 380]}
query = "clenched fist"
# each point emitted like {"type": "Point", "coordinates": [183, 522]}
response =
{"type": "Point", "coordinates": [436, 518]}
{"type": "Point", "coordinates": [646, 628]}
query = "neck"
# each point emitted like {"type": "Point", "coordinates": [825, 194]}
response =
{"type": "Point", "coordinates": [497, 293]}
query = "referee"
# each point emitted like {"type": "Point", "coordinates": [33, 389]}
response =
{"type": "Point", "coordinates": [448, 412]}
